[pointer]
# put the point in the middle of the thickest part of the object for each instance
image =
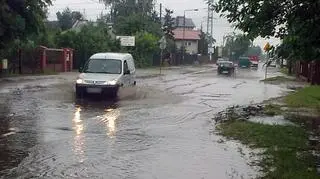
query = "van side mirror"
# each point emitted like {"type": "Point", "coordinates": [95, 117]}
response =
{"type": "Point", "coordinates": [127, 72]}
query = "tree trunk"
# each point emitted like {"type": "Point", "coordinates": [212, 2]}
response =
{"type": "Point", "coordinates": [290, 67]}
{"type": "Point", "coordinates": [20, 61]}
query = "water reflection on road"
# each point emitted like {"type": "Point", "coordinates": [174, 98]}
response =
{"type": "Point", "coordinates": [161, 129]}
{"type": "Point", "coordinates": [79, 138]}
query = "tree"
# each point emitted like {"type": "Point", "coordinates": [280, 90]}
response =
{"type": "Point", "coordinates": [136, 23]}
{"type": "Point", "coordinates": [67, 18]}
{"type": "Point", "coordinates": [126, 8]}
{"type": "Point", "coordinates": [168, 24]}
{"type": "Point", "coordinates": [91, 39]}
{"type": "Point", "coordinates": [146, 47]}
{"type": "Point", "coordinates": [254, 51]}
{"type": "Point", "coordinates": [295, 21]}
{"type": "Point", "coordinates": [236, 46]}
{"type": "Point", "coordinates": [19, 19]}
{"type": "Point", "coordinates": [204, 43]}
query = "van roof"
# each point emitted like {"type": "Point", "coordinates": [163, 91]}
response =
{"type": "Point", "coordinates": [111, 55]}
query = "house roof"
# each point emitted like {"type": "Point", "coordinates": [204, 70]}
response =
{"type": "Point", "coordinates": [189, 34]}
{"type": "Point", "coordinates": [79, 23]}
{"type": "Point", "coordinates": [179, 22]}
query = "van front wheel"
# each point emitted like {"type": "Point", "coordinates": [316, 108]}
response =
{"type": "Point", "coordinates": [114, 92]}
{"type": "Point", "coordinates": [79, 93]}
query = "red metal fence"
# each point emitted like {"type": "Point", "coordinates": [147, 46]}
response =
{"type": "Point", "coordinates": [40, 60]}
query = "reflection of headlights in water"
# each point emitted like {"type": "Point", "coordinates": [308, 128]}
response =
{"type": "Point", "coordinates": [78, 139]}
{"type": "Point", "coordinates": [78, 126]}
{"type": "Point", "coordinates": [110, 120]}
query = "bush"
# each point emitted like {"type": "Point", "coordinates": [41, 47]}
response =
{"type": "Point", "coordinates": [146, 46]}
{"type": "Point", "coordinates": [91, 39]}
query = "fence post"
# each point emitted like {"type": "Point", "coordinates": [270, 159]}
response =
{"type": "Point", "coordinates": [20, 61]}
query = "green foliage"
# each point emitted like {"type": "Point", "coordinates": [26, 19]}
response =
{"type": "Point", "coordinates": [129, 7]}
{"type": "Point", "coordinates": [298, 22]}
{"type": "Point", "coordinates": [91, 39]}
{"type": "Point", "coordinates": [168, 24]}
{"type": "Point", "coordinates": [203, 44]}
{"type": "Point", "coordinates": [285, 154]}
{"type": "Point", "coordinates": [146, 47]}
{"type": "Point", "coordinates": [308, 97]}
{"type": "Point", "coordinates": [254, 51]}
{"type": "Point", "coordinates": [272, 109]}
{"type": "Point", "coordinates": [237, 43]}
{"type": "Point", "coordinates": [19, 19]}
{"type": "Point", "coordinates": [130, 25]}
{"type": "Point", "coordinates": [67, 18]}
{"type": "Point", "coordinates": [278, 79]}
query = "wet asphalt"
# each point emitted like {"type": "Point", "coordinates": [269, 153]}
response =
{"type": "Point", "coordinates": [162, 128]}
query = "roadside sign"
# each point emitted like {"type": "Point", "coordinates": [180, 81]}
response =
{"type": "Point", "coordinates": [210, 50]}
{"type": "Point", "coordinates": [126, 41]}
{"type": "Point", "coordinates": [4, 64]}
{"type": "Point", "coordinates": [220, 49]}
{"type": "Point", "coordinates": [267, 47]}
{"type": "Point", "coordinates": [163, 43]}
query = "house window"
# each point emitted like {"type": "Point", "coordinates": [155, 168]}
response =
{"type": "Point", "coordinates": [187, 44]}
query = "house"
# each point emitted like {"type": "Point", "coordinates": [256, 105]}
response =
{"type": "Point", "coordinates": [186, 35]}
{"type": "Point", "coordinates": [179, 23]}
{"type": "Point", "coordinates": [78, 24]}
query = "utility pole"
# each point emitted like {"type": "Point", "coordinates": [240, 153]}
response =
{"type": "Point", "coordinates": [210, 26]}
{"type": "Point", "coordinates": [161, 14]}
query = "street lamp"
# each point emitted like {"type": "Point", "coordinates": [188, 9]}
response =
{"type": "Point", "coordinates": [184, 29]}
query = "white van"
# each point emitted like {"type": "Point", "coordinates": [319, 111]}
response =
{"type": "Point", "coordinates": [105, 73]}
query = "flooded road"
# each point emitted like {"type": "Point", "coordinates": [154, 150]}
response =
{"type": "Point", "coordinates": [163, 128]}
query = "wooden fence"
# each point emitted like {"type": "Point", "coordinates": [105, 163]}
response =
{"type": "Point", "coordinates": [309, 71]}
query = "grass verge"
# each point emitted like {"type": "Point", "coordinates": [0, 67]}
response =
{"type": "Point", "coordinates": [286, 153]}
{"type": "Point", "coordinates": [284, 71]}
{"type": "Point", "coordinates": [278, 79]}
{"type": "Point", "coordinates": [308, 97]}
{"type": "Point", "coordinates": [272, 109]}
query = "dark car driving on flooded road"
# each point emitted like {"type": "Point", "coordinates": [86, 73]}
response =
{"type": "Point", "coordinates": [226, 67]}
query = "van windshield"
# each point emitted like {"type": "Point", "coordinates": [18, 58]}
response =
{"type": "Point", "coordinates": [226, 64]}
{"type": "Point", "coordinates": [108, 66]}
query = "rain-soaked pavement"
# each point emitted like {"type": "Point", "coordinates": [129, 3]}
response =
{"type": "Point", "coordinates": [163, 128]}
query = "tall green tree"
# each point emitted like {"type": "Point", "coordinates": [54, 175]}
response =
{"type": "Point", "coordinates": [236, 46]}
{"type": "Point", "coordinates": [128, 7]}
{"type": "Point", "coordinates": [136, 23]}
{"type": "Point", "coordinates": [19, 19]}
{"type": "Point", "coordinates": [254, 51]}
{"type": "Point", "coordinates": [296, 22]}
{"type": "Point", "coordinates": [67, 18]}
{"type": "Point", "coordinates": [168, 24]}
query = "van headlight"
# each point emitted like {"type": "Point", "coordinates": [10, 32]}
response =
{"type": "Point", "coordinates": [79, 81]}
{"type": "Point", "coordinates": [112, 82]}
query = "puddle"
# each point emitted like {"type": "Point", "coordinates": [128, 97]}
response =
{"type": "Point", "coordinates": [271, 120]}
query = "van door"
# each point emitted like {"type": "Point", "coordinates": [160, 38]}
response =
{"type": "Point", "coordinates": [126, 77]}
{"type": "Point", "coordinates": [132, 70]}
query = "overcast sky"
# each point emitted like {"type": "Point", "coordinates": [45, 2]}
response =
{"type": "Point", "coordinates": [92, 9]}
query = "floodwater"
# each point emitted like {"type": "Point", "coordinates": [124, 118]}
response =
{"type": "Point", "coordinates": [163, 128]}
